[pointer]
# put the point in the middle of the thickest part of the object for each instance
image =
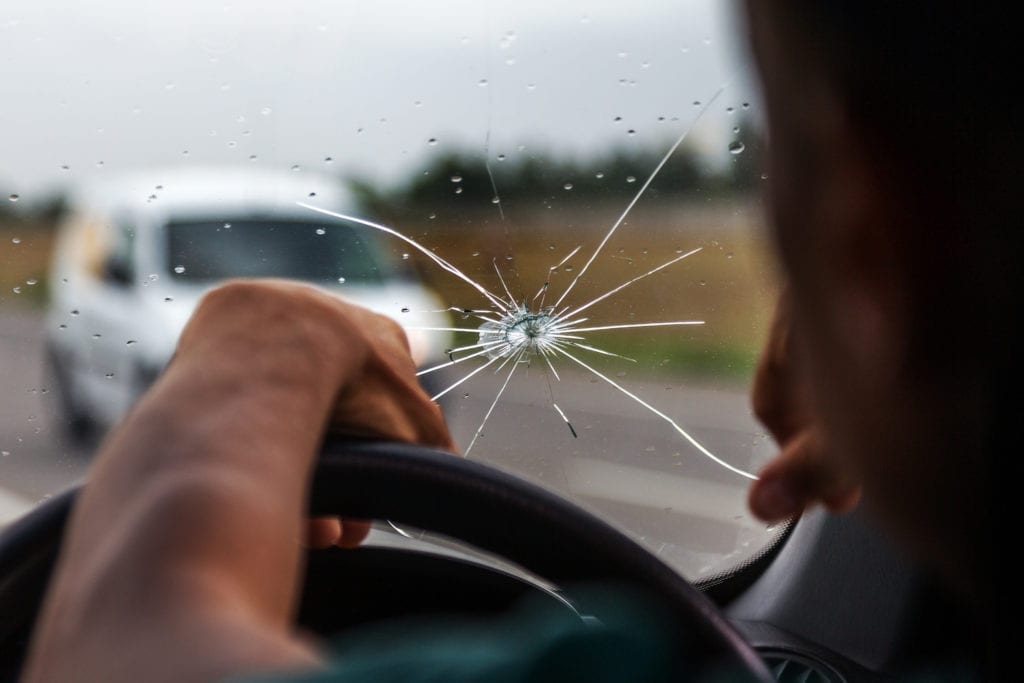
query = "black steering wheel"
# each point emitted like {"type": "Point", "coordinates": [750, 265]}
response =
{"type": "Point", "coordinates": [431, 490]}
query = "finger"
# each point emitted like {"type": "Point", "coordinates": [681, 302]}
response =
{"type": "Point", "coordinates": [779, 396]}
{"type": "Point", "coordinates": [323, 532]}
{"type": "Point", "coordinates": [353, 532]}
{"type": "Point", "coordinates": [800, 476]}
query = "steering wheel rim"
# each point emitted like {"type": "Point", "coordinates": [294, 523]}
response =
{"type": "Point", "coordinates": [463, 499]}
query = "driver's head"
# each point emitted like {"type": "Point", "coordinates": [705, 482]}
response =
{"type": "Point", "coordinates": [891, 139]}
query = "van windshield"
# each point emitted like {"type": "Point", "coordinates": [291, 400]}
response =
{"type": "Point", "coordinates": [214, 250]}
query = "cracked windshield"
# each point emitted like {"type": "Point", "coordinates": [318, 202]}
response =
{"type": "Point", "coordinates": [559, 202]}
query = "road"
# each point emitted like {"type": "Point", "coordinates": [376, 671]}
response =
{"type": "Point", "coordinates": [625, 463]}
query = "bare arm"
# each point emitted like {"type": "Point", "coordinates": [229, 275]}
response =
{"type": "Point", "coordinates": [183, 556]}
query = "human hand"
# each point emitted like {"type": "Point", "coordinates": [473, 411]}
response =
{"type": "Point", "coordinates": [378, 396]}
{"type": "Point", "coordinates": [804, 472]}
{"type": "Point", "coordinates": [182, 548]}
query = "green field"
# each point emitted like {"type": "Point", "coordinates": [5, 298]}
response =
{"type": "Point", "coordinates": [730, 283]}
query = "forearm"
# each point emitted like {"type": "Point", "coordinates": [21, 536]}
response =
{"type": "Point", "coordinates": [194, 511]}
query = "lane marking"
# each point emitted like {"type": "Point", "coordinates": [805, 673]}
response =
{"type": "Point", "coordinates": [655, 489]}
{"type": "Point", "coordinates": [12, 506]}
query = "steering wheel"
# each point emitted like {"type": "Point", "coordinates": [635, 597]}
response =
{"type": "Point", "coordinates": [431, 490]}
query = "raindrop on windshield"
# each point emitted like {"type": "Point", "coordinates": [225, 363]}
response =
{"type": "Point", "coordinates": [179, 269]}
{"type": "Point", "coordinates": [736, 147]}
{"type": "Point", "coordinates": [321, 231]}
{"type": "Point", "coordinates": [13, 197]}
{"type": "Point", "coordinates": [341, 280]}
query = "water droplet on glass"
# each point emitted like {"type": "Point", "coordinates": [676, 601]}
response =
{"type": "Point", "coordinates": [495, 200]}
{"type": "Point", "coordinates": [109, 375]}
{"type": "Point", "coordinates": [405, 257]}
{"type": "Point", "coordinates": [456, 179]}
{"type": "Point", "coordinates": [130, 342]}
{"type": "Point", "coordinates": [328, 160]}
{"type": "Point", "coordinates": [62, 326]}
{"type": "Point", "coordinates": [746, 105]}
{"type": "Point", "coordinates": [531, 86]}
{"type": "Point", "coordinates": [735, 129]}
{"type": "Point", "coordinates": [341, 280]}
{"type": "Point", "coordinates": [99, 164]}
{"type": "Point", "coordinates": [728, 255]}
{"type": "Point", "coordinates": [405, 309]}
{"type": "Point", "coordinates": [321, 231]}
{"type": "Point", "coordinates": [458, 190]}
{"type": "Point", "coordinates": [736, 147]}
{"type": "Point", "coordinates": [696, 103]}
{"type": "Point", "coordinates": [630, 179]}
{"type": "Point", "coordinates": [567, 186]}
{"type": "Point", "coordinates": [13, 197]}
{"type": "Point", "coordinates": [764, 176]}
{"type": "Point", "coordinates": [227, 226]}
{"type": "Point", "coordinates": [74, 311]}
{"type": "Point", "coordinates": [266, 111]}
{"type": "Point", "coordinates": [702, 282]}
{"type": "Point", "coordinates": [179, 269]}
{"type": "Point", "coordinates": [432, 216]}
{"type": "Point", "coordinates": [501, 157]}
{"type": "Point", "coordinates": [65, 167]}
{"type": "Point", "coordinates": [631, 132]}
{"type": "Point", "coordinates": [482, 83]}
{"type": "Point", "coordinates": [432, 141]}
{"type": "Point", "coordinates": [16, 290]}
{"type": "Point", "coordinates": [31, 281]}
{"type": "Point", "coordinates": [311, 194]}
{"type": "Point", "coordinates": [599, 175]}
{"type": "Point", "coordinates": [730, 110]}
{"type": "Point", "coordinates": [168, 299]}
{"type": "Point", "coordinates": [97, 336]}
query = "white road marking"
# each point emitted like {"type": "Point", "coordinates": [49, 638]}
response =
{"type": "Point", "coordinates": [652, 489]}
{"type": "Point", "coordinates": [12, 506]}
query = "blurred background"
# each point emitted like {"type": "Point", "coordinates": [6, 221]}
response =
{"type": "Point", "coordinates": [493, 133]}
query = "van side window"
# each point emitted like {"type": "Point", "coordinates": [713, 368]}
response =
{"type": "Point", "coordinates": [119, 267]}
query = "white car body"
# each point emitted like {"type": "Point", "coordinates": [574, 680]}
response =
{"type": "Point", "coordinates": [110, 335]}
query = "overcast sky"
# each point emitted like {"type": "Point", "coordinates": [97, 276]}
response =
{"type": "Point", "coordinates": [108, 85]}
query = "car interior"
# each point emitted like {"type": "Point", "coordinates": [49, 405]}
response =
{"type": "Point", "coordinates": [830, 601]}
{"type": "Point", "coordinates": [507, 151]}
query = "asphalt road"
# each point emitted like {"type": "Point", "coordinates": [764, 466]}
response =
{"type": "Point", "coordinates": [624, 463]}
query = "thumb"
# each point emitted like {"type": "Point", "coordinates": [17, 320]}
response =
{"type": "Point", "coordinates": [802, 475]}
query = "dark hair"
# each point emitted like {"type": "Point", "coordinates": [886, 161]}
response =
{"type": "Point", "coordinates": [932, 87]}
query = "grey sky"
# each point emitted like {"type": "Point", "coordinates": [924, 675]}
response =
{"type": "Point", "coordinates": [132, 84]}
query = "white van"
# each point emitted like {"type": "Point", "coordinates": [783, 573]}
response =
{"type": "Point", "coordinates": [135, 253]}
